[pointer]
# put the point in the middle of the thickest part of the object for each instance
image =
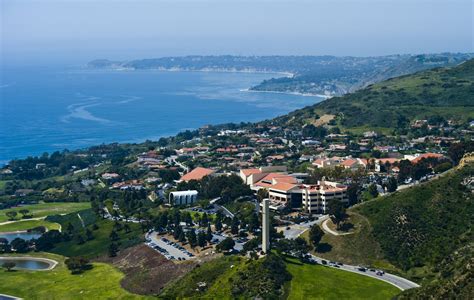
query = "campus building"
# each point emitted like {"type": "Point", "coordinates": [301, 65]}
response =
{"type": "Point", "coordinates": [287, 190]}
{"type": "Point", "coordinates": [182, 197]}
{"type": "Point", "coordinates": [312, 199]}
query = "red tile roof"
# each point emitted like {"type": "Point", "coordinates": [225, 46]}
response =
{"type": "Point", "coordinates": [427, 155]}
{"type": "Point", "coordinates": [197, 174]}
{"type": "Point", "coordinates": [283, 186]}
{"type": "Point", "coordinates": [248, 172]}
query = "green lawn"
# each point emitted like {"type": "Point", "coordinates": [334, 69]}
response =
{"type": "Point", "coordinates": [46, 209]}
{"type": "Point", "coordinates": [25, 225]}
{"type": "Point", "coordinates": [100, 244]}
{"type": "Point", "coordinates": [319, 282]}
{"type": "Point", "coordinates": [102, 282]}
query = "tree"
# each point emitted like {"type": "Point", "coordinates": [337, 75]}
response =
{"type": "Point", "coordinates": [204, 220]}
{"type": "Point", "coordinates": [127, 228]}
{"type": "Point", "coordinates": [24, 212]}
{"type": "Point", "coordinates": [337, 211]}
{"type": "Point", "coordinates": [69, 228]}
{"type": "Point", "coordinates": [192, 238]}
{"type": "Point", "coordinates": [78, 265]}
{"type": "Point", "coordinates": [457, 150]}
{"type": "Point", "coordinates": [11, 215]}
{"type": "Point", "coordinates": [89, 235]}
{"type": "Point", "coordinates": [209, 233]}
{"type": "Point", "coordinates": [352, 193]}
{"type": "Point", "coordinates": [187, 218]}
{"type": "Point", "coordinates": [218, 223]}
{"type": "Point", "coordinates": [182, 237]}
{"type": "Point", "coordinates": [300, 247]}
{"type": "Point", "coordinates": [80, 239]}
{"type": "Point", "coordinates": [373, 190]}
{"type": "Point", "coordinates": [113, 249]}
{"type": "Point", "coordinates": [9, 265]}
{"type": "Point", "coordinates": [19, 245]}
{"type": "Point", "coordinates": [315, 235]}
{"type": "Point", "coordinates": [4, 246]}
{"type": "Point", "coordinates": [226, 245]}
{"type": "Point", "coordinates": [251, 245]}
{"type": "Point", "coordinates": [234, 229]}
{"type": "Point", "coordinates": [113, 236]}
{"type": "Point", "coordinates": [201, 239]}
{"type": "Point", "coordinates": [392, 184]}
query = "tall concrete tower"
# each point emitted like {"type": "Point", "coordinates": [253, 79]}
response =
{"type": "Point", "coordinates": [266, 226]}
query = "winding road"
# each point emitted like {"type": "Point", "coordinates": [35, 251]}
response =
{"type": "Point", "coordinates": [399, 282]}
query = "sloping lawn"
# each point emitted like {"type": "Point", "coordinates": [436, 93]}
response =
{"type": "Point", "coordinates": [319, 282]}
{"type": "Point", "coordinates": [100, 244]}
{"type": "Point", "coordinates": [25, 225]}
{"type": "Point", "coordinates": [102, 282]}
{"type": "Point", "coordinates": [46, 209]}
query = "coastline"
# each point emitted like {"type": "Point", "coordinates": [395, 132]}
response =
{"type": "Point", "coordinates": [203, 70]}
{"type": "Point", "coordinates": [325, 97]}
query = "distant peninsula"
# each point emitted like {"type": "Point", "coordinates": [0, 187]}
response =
{"type": "Point", "coordinates": [309, 75]}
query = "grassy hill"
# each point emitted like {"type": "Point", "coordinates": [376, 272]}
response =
{"type": "Point", "coordinates": [237, 277]}
{"type": "Point", "coordinates": [420, 226]}
{"type": "Point", "coordinates": [446, 92]}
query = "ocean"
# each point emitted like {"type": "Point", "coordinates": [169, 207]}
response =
{"type": "Point", "coordinates": [55, 108]}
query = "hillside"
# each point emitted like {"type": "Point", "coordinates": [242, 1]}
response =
{"type": "Point", "coordinates": [394, 103]}
{"type": "Point", "coordinates": [309, 74]}
{"type": "Point", "coordinates": [454, 280]}
{"type": "Point", "coordinates": [426, 230]}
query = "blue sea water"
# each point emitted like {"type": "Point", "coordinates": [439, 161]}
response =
{"type": "Point", "coordinates": [49, 109]}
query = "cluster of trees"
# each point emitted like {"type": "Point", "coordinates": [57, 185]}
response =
{"type": "Point", "coordinates": [422, 168]}
{"type": "Point", "coordinates": [263, 279]}
{"type": "Point", "coordinates": [58, 163]}
{"type": "Point", "coordinates": [18, 245]}
{"type": "Point", "coordinates": [227, 187]}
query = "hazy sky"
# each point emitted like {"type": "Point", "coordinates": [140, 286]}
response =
{"type": "Point", "coordinates": [78, 31]}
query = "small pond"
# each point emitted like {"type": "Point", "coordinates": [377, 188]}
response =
{"type": "Point", "coordinates": [10, 236]}
{"type": "Point", "coordinates": [29, 263]}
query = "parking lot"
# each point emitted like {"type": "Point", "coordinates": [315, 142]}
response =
{"type": "Point", "coordinates": [167, 248]}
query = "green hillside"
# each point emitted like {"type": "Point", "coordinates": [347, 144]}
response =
{"type": "Point", "coordinates": [394, 103]}
{"type": "Point", "coordinates": [422, 225]}
{"type": "Point", "coordinates": [454, 280]}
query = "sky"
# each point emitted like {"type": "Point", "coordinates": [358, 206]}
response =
{"type": "Point", "coordinates": [74, 31]}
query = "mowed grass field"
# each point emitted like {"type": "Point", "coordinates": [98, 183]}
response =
{"type": "Point", "coordinates": [46, 209]}
{"type": "Point", "coordinates": [320, 282]}
{"type": "Point", "coordinates": [102, 282]}
{"type": "Point", "coordinates": [25, 225]}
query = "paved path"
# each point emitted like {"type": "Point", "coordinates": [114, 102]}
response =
{"type": "Point", "coordinates": [329, 230]}
{"type": "Point", "coordinates": [399, 282]}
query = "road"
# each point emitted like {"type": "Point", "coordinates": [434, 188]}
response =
{"type": "Point", "coordinates": [399, 282]}
{"type": "Point", "coordinates": [298, 229]}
